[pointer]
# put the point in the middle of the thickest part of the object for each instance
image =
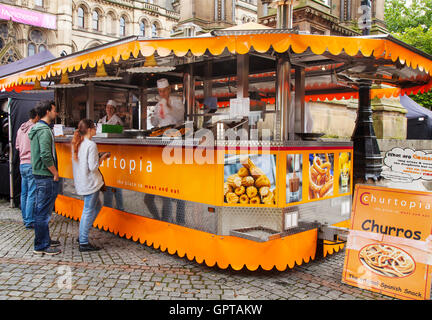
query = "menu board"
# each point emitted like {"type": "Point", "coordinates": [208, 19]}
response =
{"type": "Point", "coordinates": [389, 247]}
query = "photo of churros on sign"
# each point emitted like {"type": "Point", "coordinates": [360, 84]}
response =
{"type": "Point", "coordinates": [321, 175]}
{"type": "Point", "coordinates": [250, 180]}
{"type": "Point", "coordinates": [387, 260]}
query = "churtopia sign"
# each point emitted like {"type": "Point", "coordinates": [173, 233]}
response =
{"type": "Point", "coordinates": [28, 17]}
{"type": "Point", "coordinates": [389, 247]}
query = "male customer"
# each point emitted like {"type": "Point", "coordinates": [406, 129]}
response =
{"type": "Point", "coordinates": [28, 185]}
{"type": "Point", "coordinates": [44, 166]}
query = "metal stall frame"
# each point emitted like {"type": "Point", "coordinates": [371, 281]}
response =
{"type": "Point", "coordinates": [307, 56]}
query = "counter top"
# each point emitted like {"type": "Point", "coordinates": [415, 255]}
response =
{"type": "Point", "coordinates": [218, 143]}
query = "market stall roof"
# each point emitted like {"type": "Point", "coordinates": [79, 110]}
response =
{"type": "Point", "coordinates": [333, 63]}
{"type": "Point", "coordinates": [26, 63]}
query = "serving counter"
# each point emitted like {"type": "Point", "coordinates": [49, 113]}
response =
{"type": "Point", "coordinates": [256, 203]}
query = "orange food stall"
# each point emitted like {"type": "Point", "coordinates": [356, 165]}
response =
{"type": "Point", "coordinates": [253, 187]}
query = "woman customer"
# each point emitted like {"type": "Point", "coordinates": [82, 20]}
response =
{"type": "Point", "coordinates": [87, 178]}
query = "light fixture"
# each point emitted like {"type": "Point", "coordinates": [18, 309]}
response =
{"type": "Point", "coordinates": [65, 83]}
{"type": "Point", "coordinates": [150, 66]}
{"type": "Point", "coordinates": [101, 75]}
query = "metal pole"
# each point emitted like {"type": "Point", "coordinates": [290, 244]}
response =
{"type": "Point", "coordinates": [242, 75]}
{"type": "Point", "coordinates": [300, 121]}
{"type": "Point", "coordinates": [90, 101]}
{"type": "Point", "coordinates": [11, 189]}
{"type": "Point", "coordinates": [367, 156]}
{"type": "Point", "coordinates": [189, 93]}
{"type": "Point", "coordinates": [283, 98]}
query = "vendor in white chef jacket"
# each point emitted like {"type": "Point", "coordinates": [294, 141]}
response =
{"type": "Point", "coordinates": [170, 109]}
{"type": "Point", "coordinates": [111, 117]}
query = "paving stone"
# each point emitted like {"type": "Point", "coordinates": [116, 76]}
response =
{"type": "Point", "coordinates": [125, 269]}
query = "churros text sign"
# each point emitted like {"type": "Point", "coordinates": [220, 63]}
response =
{"type": "Point", "coordinates": [389, 248]}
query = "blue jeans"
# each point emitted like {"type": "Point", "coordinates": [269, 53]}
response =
{"type": "Point", "coordinates": [28, 194]}
{"type": "Point", "coordinates": [46, 194]}
{"type": "Point", "coordinates": [108, 198]}
{"type": "Point", "coordinates": [92, 206]}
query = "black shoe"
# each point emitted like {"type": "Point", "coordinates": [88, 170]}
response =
{"type": "Point", "coordinates": [54, 243]}
{"type": "Point", "coordinates": [88, 247]}
{"type": "Point", "coordinates": [50, 251]}
{"type": "Point", "coordinates": [30, 226]}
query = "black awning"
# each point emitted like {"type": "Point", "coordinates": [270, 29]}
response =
{"type": "Point", "coordinates": [26, 63]}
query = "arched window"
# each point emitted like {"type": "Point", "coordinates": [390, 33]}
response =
{"type": "Point", "coordinates": [95, 20]}
{"type": "Point", "coordinates": [142, 28]}
{"type": "Point", "coordinates": [81, 17]}
{"type": "Point", "coordinates": [122, 26]}
{"type": "Point", "coordinates": [37, 42]}
{"type": "Point", "coordinates": [31, 49]}
{"type": "Point", "coordinates": [110, 25]}
{"type": "Point", "coordinates": [154, 30]}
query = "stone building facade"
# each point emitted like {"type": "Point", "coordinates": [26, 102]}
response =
{"type": "Point", "coordinates": [327, 17]}
{"type": "Point", "coordinates": [207, 15]}
{"type": "Point", "coordinates": [79, 24]}
{"type": "Point", "coordinates": [83, 24]}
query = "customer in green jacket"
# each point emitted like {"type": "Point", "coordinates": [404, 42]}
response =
{"type": "Point", "coordinates": [44, 167]}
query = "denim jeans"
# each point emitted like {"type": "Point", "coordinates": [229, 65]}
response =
{"type": "Point", "coordinates": [46, 194]}
{"type": "Point", "coordinates": [28, 194]}
{"type": "Point", "coordinates": [92, 206]}
{"type": "Point", "coordinates": [108, 198]}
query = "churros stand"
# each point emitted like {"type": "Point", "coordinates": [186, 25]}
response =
{"type": "Point", "coordinates": [254, 188]}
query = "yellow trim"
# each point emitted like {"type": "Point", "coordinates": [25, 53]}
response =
{"type": "Point", "coordinates": [240, 44]}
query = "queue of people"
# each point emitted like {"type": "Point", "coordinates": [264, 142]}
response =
{"type": "Point", "coordinates": [40, 178]}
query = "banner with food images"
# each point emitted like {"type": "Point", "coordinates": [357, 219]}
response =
{"type": "Point", "coordinates": [321, 175]}
{"type": "Point", "coordinates": [294, 177]}
{"type": "Point", "coordinates": [389, 247]}
{"type": "Point", "coordinates": [344, 172]}
{"type": "Point", "coordinates": [250, 179]}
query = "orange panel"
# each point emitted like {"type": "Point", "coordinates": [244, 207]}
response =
{"type": "Point", "coordinates": [222, 251]}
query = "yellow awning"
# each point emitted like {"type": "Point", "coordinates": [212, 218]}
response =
{"type": "Point", "coordinates": [379, 48]}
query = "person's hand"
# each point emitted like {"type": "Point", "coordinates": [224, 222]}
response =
{"type": "Point", "coordinates": [105, 155]}
{"type": "Point", "coordinates": [56, 177]}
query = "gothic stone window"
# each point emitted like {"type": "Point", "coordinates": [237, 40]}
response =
{"type": "Point", "coordinates": [122, 26]}
{"type": "Point", "coordinates": [154, 30]}
{"type": "Point", "coordinates": [37, 42]}
{"type": "Point", "coordinates": [81, 17]}
{"type": "Point", "coordinates": [142, 28]}
{"type": "Point", "coordinates": [10, 55]}
{"type": "Point", "coordinates": [95, 20]}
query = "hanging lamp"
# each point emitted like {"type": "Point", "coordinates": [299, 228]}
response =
{"type": "Point", "coordinates": [65, 82]}
{"type": "Point", "coordinates": [101, 75]}
{"type": "Point", "coordinates": [150, 66]}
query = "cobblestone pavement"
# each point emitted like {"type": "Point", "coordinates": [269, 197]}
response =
{"type": "Point", "coordinates": [129, 270]}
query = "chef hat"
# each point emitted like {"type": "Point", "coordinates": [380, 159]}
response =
{"type": "Point", "coordinates": [162, 83]}
{"type": "Point", "coordinates": [112, 103]}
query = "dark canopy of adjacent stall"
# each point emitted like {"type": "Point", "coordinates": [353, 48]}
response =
{"type": "Point", "coordinates": [419, 119]}
{"type": "Point", "coordinates": [20, 105]}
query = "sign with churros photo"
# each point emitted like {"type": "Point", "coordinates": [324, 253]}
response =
{"type": "Point", "coordinates": [389, 246]}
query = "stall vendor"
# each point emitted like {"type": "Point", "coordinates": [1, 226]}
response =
{"type": "Point", "coordinates": [110, 192]}
{"type": "Point", "coordinates": [111, 117]}
{"type": "Point", "coordinates": [170, 109]}
{"type": "Point", "coordinates": [210, 106]}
